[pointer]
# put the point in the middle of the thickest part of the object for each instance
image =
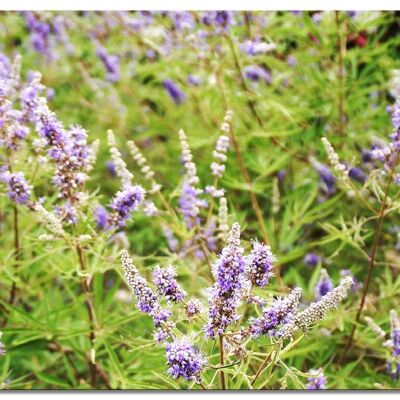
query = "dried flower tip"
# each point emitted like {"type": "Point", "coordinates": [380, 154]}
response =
{"type": "Point", "coordinates": [52, 223]}
{"type": "Point", "coordinates": [120, 165]}
{"type": "Point", "coordinates": [223, 226]}
{"type": "Point", "coordinates": [316, 311]}
{"type": "Point", "coordinates": [334, 159]}
{"type": "Point", "coordinates": [276, 196]}
{"type": "Point", "coordinates": [375, 328]}
{"type": "Point", "coordinates": [141, 162]}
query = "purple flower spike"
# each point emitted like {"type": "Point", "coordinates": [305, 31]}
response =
{"type": "Point", "coordinates": [124, 203]}
{"type": "Point", "coordinates": [324, 285]}
{"type": "Point", "coordinates": [184, 360]}
{"type": "Point", "coordinates": [259, 264]}
{"type": "Point", "coordinates": [318, 381]}
{"type": "Point", "coordinates": [174, 92]}
{"type": "Point", "coordinates": [19, 190]}
{"type": "Point", "coordinates": [165, 280]}
{"type": "Point", "coordinates": [311, 259]}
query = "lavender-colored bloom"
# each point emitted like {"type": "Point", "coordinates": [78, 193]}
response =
{"type": "Point", "coordinates": [182, 20]}
{"type": "Point", "coordinates": [189, 204]}
{"type": "Point", "coordinates": [311, 259]}
{"type": "Point", "coordinates": [161, 316]}
{"type": "Point", "coordinates": [280, 312]}
{"type": "Point", "coordinates": [174, 91]}
{"type": "Point", "coordinates": [171, 239]}
{"type": "Point", "coordinates": [193, 80]}
{"type": "Point", "coordinates": [224, 296]}
{"type": "Point", "coordinates": [357, 285]}
{"type": "Point", "coordinates": [259, 264]}
{"type": "Point", "coordinates": [357, 175]}
{"type": "Point", "coordinates": [219, 20]}
{"type": "Point", "coordinates": [110, 62]}
{"type": "Point", "coordinates": [291, 60]}
{"type": "Point", "coordinates": [67, 213]}
{"type": "Point", "coordinates": [327, 179]}
{"type": "Point", "coordinates": [101, 217]}
{"type": "Point", "coordinates": [19, 190]}
{"type": "Point", "coordinates": [146, 299]}
{"type": "Point", "coordinates": [184, 360]}
{"type": "Point", "coordinates": [165, 280]}
{"type": "Point", "coordinates": [111, 168]}
{"type": "Point", "coordinates": [193, 308]}
{"type": "Point", "coordinates": [324, 285]}
{"type": "Point", "coordinates": [318, 381]}
{"type": "Point", "coordinates": [257, 73]}
{"type": "Point", "coordinates": [40, 33]}
{"type": "Point", "coordinates": [124, 203]}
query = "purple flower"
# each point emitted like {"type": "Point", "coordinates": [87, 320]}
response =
{"type": "Point", "coordinates": [311, 259]}
{"type": "Point", "coordinates": [184, 360]}
{"type": "Point", "coordinates": [224, 296]}
{"type": "Point", "coordinates": [146, 300]}
{"type": "Point", "coordinates": [165, 280]}
{"type": "Point", "coordinates": [124, 203]}
{"type": "Point", "coordinates": [327, 180]}
{"type": "Point", "coordinates": [192, 308]}
{"type": "Point", "coordinates": [318, 381]}
{"type": "Point", "coordinates": [19, 190]}
{"type": "Point", "coordinates": [111, 168]}
{"type": "Point", "coordinates": [357, 175]}
{"type": "Point", "coordinates": [280, 312]}
{"type": "Point", "coordinates": [174, 92]}
{"type": "Point", "coordinates": [193, 80]}
{"type": "Point", "coordinates": [189, 204]}
{"type": "Point", "coordinates": [256, 73]}
{"type": "Point", "coordinates": [259, 264]}
{"type": "Point", "coordinates": [101, 217]}
{"type": "Point", "coordinates": [324, 285]}
{"type": "Point", "coordinates": [110, 62]}
{"type": "Point", "coordinates": [161, 316]}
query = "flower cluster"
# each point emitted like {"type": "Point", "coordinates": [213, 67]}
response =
{"type": "Point", "coordinates": [184, 360]}
{"type": "Point", "coordinates": [110, 62]}
{"type": "Point", "coordinates": [174, 91]}
{"type": "Point", "coordinates": [259, 264]}
{"type": "Point", "coordinates": [317, 381]}
{"type": "Point", "coordinates": [324, 285]}
{"type": "Point", "coordinates": [316, 311]}
{"type": "Point", "coordinates": [165, 280]}
{"type": "Point", "coordinates": [219, 154]}
{"type": "Point", "coordinates": [279, 313]}
{"type": "Point", "coordinates": [19, 190]}
{"type": "Point", "coordinates": [229, 271]}
{"type": "Point", "coordinates": [393, 363]}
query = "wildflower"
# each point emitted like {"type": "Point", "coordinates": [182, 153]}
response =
{"type": "Point", "coordinates": [255, 47]}
{"type": "Point", "coordinates": [51, 221]}
{"type": "Point", "coordinates": [223, 226]}
{"type": "Point", "coordinates": [327, 179]}
{"type": "Point", "coordinates": [193, 308]}
{"type": "Point", "coordinates": [171, 239]}
{"type": "Point", "coordinates": [224, 295]}
{"type": "Point", "coordinates": [101, 217]}
{"type": "Point", "coordinates": [317, 381]}
{"type": "Point", "coordinates": [149, 208]}
{"type": "Point", "coordinates": [276, 196]}
{"type": "Point", "coordinates": [317, 310]}
{"type": "Point", "coordinates": [375, 328]}
{"type": "Point", "coordinates": [395, 332]}
{"type": "Point", "coordinates": [120, 166]}
{"type": "Point", "coordinates": [357, 175]}
{"type": "Point", "coordinates": [324, 285]}
{"type": "Point", "coordinates": [19, 190]}
{"type": "Point", "coordinates": [110, 62]}
{"type": "Point", "coordinates": [256, 73]}
{"type": "Point", "coordinates": [259, 264]}
{"type": "Point", "coordinates": [165, 280]}
{"type": "Point", "coordinates": [334, 159]}
{"type": "Point", "coordinates": [124, 203]}
{"type": "Point", "coordinates": [144, 167]}
{"type": "Point", "coordinates": [219, 154]}
{"type": "Point", "coordinates": [184, 360]}
{"type": "Point", "coordinates": [174, 92]}
{"type": "Point", "coordinates": [146, 300]}
{"type": "Point", "coordinates": [311, 259]}
{"type": "Point", "coordinates": [280, 312]}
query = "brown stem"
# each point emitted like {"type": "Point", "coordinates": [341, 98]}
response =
{"type": "Point", "coordinates": [340, 77]}
{"type": "Point", "coordinates": [93, 368]}
{"type": "Point", "coordinates": [222, 362]}
{"type": "Point", "coordinates": [261, 369]}
{"type": "Point", "coordinates": [377, 238]}
{"type": "Point", "coordinates": [17, 254]}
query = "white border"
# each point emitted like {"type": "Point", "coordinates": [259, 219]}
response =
{"type": "Point", "coordinates": [199, 5]}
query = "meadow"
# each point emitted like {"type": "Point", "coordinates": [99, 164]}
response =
{"type": "Point", "coordinates": [200, 200]}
